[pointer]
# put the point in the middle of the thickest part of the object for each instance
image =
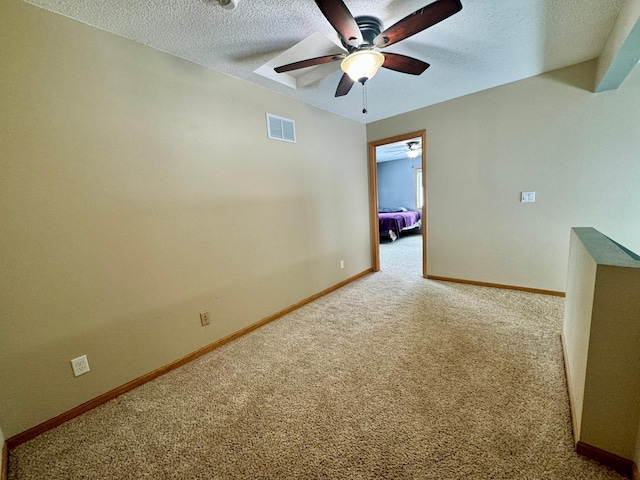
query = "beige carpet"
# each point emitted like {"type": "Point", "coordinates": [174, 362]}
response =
{"type": "Point", "coordinates": [391, 377]}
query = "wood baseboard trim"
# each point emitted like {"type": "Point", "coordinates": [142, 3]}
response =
{"type": "Point", "coordinates": [574, 420]}
{"type": "Point", "coordinates": [4, 469]}
{"type": "Point", "coordinates": [105, 397]}
{"type": "Point", "coordinates": [497, 285]}
{"type": "Point", "coordinates": [621, 464]}
{"type": "Point", "coordinates": [635, 473]}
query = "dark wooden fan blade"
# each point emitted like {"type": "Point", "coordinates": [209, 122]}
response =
{"type": "Point", "coordinates": [341, 20]}
{"type": "Point", "coordinates": [344, 86]}
{"type": "Point", "coordinates": [404, 64]}
{"type": "Point", "coordinates": [309, 62]}
{"type": "Point", "coordinates": [418, 21]}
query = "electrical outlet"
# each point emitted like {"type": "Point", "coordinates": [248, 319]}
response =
{"type": "Point", "coordinates": [80, 365]}
{"type": "Point", "coordinates": [204, 318]}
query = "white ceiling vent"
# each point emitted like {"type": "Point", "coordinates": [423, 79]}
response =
{"type": "Point", "coordinates": [279, 128]}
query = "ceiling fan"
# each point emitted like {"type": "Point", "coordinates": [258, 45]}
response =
{"type": "Point", "coordinates": [411, 149]}
{"type": "Point", "coordinates": [362, 35]}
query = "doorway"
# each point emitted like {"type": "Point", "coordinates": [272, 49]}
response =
{"type": "Point", "coordinates": [373, 194]}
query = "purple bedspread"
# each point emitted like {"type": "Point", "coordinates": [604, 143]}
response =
{"type": "Point", "coordinates": [397, 221]}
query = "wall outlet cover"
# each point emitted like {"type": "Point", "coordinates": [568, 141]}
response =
{"type": "Point", "coordinates": [80, 365]}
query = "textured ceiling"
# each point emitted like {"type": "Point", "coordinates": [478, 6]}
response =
{"type": "Point", "coordinates": [488, 43]}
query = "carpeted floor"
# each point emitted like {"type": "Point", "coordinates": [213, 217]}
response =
{"type": "Point", "coordinates": [391, 377]}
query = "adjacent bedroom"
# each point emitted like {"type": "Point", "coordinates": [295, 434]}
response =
{"type": "Point", "coordinates": [400, 194]}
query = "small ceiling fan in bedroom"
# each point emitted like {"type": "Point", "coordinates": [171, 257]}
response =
{"type": "Point", "coordinates": [362, 36]}
{"type": "Point", "coordinates": [411, 149]}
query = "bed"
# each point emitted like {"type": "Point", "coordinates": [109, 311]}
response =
{"type": "Point", "coordinates": [395, 220]}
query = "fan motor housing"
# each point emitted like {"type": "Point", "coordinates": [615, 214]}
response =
{"type": "Point", "coordinates": [370, 27]}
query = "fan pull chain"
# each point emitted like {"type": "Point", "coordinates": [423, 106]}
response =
{"type": "Point", "coordinates": [364, 98]}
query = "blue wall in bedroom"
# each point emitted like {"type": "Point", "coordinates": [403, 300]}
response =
{"type": "Point", "coordinates": [396, 181]}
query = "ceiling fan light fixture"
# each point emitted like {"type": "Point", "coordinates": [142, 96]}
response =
{"type": "Point", "coordinates": [413, 153]}
{"type": "Point", "coordinates": [362, 65]}
{"type": "Point", "coordinates": [228, 4]}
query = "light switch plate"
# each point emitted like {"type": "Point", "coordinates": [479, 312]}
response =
{"type": "Point", "coordinates": [528, 197]}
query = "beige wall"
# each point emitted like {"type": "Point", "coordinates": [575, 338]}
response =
{"type": "Point", "coordinates": [601, 332]}
{"type": "Point", "coordinates": [576, 328]}
{"type": "Point", "coordinates": [612, 389]}
{"type": "Point", "coordinates": [138, 189]}
{"type": "Point", "coordinates": [577, 150]}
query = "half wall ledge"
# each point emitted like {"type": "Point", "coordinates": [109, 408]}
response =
{"type": "Point", "coordinates": [601, 336]}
